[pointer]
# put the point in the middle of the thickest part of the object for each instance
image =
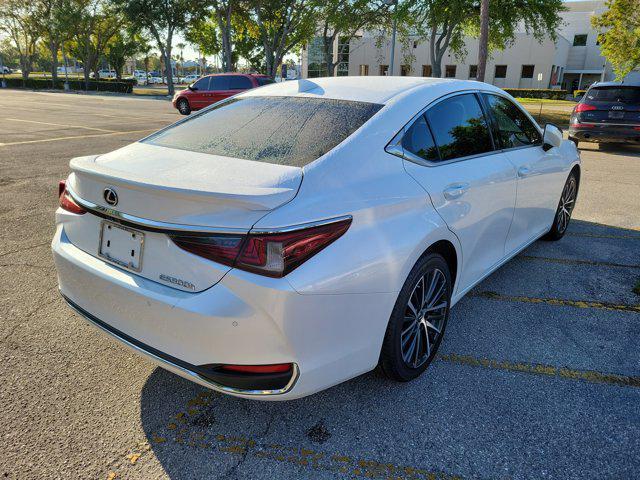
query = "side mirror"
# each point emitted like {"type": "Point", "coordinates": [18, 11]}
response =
{"type": "Point", "coordinates": [552, 137]}
{"type": "Point", "coordinates": [192, 88]}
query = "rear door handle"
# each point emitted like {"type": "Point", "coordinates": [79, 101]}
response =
{"type": "Point", "coordinates": [524, 172]}
{"type": "Point", "coordinates": [455, 190]}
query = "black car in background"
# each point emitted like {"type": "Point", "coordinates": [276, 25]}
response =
{"type": "Point", "coordinates": [608, 113]}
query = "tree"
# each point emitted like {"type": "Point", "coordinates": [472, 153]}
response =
{"type": "Point", "coordinates": [181, 46]}
{"type": "Point", "coordinates": [17, 21]}
{"type": "Point", "coordinates": [446, 22]}
{"type": "Point", "coordinates": [619, 35]}
{"type": "Point", "coordinates": [162, 19]}
{"type": "Point", "coordinates": [53, 19]}
{"type": "Point", "coordinates": [279, 26]}
{"type": "Point", "coordinates": [96, 23]}
{"type": "Point", "coordinates": [214, 34]}
{"type": "Point", "coordinates": [343, 20]}
{"type": "Point", "coordinates": [124, 44]}
{"type": "Point", "coordinates": [483, 41]}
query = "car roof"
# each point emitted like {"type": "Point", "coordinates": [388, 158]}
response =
{"type": "Point", "coordinates": [374, 89]}
{"type": "Point", "coordinates": [615, 84]}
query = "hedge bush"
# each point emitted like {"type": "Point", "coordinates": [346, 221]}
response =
{"type": "Point", "coordinates": [578, 93]}
{"type": "Point", "coordinates": [74, 84]}
{"type": "Point", "coordinates": [537, 93]}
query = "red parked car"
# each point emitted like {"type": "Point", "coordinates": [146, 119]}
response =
{"type": "Point", "coordinates": [213, 88]}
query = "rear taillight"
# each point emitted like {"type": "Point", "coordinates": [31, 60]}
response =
{"type": "Point", "coordinates": [272, 254]}
{"type": "Point", "coordinates": [584, 107]}
{"type": "Point", "coordinates": [66, 201]}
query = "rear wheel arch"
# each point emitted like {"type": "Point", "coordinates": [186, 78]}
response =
{"type": "Point", "coordinates": [450, 255]}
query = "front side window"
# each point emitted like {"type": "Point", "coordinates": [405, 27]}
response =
{"type": "Point", "coordinates": [265, 81]}
{"type": "Point", "coordinates": [418, 140]}
{"type": "Point", "coordinates": [459, 127]}
{"type": "Point", "coordinates": [202, 84]}
{"type": "Point", "coordinates": [514, 129]}
{"type": "Point", "coordinates": [282, 130]}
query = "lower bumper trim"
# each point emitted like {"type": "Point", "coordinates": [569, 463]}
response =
{"type": "Point", "coordinates": [201, 374]}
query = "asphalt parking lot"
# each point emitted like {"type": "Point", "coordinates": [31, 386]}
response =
{"type": "Point", "coordinates": [538, 375]}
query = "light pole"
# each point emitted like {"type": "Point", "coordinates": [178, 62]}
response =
{"type": "Point", "coordinates": [393, 33]}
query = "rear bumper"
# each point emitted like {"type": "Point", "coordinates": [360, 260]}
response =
{"type": "Point", "coordinates": [606, 134]}
{"type": "Point", "coordinates": [244, 319]}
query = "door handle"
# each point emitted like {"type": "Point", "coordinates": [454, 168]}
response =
{"type": "Point", "coordinates": [524, 172]}
{"type": "Point", "coordinates": [455, 191]}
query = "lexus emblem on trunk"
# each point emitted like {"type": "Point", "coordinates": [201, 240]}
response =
{"type": "Point", "coordinates": [110, 196]}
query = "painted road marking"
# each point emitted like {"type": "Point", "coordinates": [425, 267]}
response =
{"type": "Point", "coordinates": [600, 235]}
{"type": "Point", "coordinates": [56, 139]}
{"type": "Point", "coordinates": [559, 301]}
{"type": "Point", "coordinates": [60, 125]}
{"type": "Point", "coordinates": [181, 430]}
{"type": "Point", "coordinates": [544, 370]}
{"type": "Point", "coordinates": [571, 261]}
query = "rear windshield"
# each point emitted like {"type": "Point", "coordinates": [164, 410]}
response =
{"type": "Point", "coordinates": [283, 130]}
{"type": "Point", "coordinates": [615, 94]}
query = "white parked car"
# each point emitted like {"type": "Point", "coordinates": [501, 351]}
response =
{"type": "Point", "coordinates": [297, 235]}
{"type": "Point", "coordinates": [190, 78]}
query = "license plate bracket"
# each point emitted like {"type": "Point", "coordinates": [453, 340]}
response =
{"type": "Point", "coordinates": [121, 245]}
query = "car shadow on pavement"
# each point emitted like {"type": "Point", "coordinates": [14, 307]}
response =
{"type": "Point", "coordinates": [355, 429]}
{"type": "Point", "coordinates": [621, 149]}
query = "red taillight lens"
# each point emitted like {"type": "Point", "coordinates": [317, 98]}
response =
{"type": "Point", "coordinates": [271, 254]}
{"type": "Point", "coordinates": [219, 248]}
{"type": "Point", "coordinates": [275, 368]}
{"type": "Point", "coordinates": [66, 202]}
{"type": "Point", "coordinates": [276, 254]}
{"type": "Point", "coordinates": [584, 107]}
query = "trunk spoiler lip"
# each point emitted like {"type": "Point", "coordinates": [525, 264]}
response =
{"type": "Point", "coordinates": [180, 229]}
{"type": "Point", "coordinates": [147, 224]}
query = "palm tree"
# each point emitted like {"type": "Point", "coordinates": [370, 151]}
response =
{"type": "Point", "coordinates": [181, 47]}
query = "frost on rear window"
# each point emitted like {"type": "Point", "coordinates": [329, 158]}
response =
{"type": "Point", "coordinates": [283, 130]}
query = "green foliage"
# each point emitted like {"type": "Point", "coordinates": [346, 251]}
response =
{"type": "Point", "coordinates": [537, 93]}
{"type": "Point", "coordinates": [100, 86]}
{"type": "Point", "coordinates": [123, 45]}
{"type": "Point", "coordinates": [619, 29]}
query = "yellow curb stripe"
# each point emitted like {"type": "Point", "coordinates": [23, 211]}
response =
{"type": "Point", "coordinates": [559, 302]}
{"type": "Point", "coordinates": [572, 261]}
{"type": "Point", "coordinates": [56, 139]}
{"type": "Point", "coordinates": [591, 376]}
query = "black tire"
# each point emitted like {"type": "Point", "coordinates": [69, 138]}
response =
{"type": "Point", "coordinates": [563, 217]}
{"type": "Point", "coordinates": [403, 318]}
{"type": "Point", "coordinates": [183, 106]}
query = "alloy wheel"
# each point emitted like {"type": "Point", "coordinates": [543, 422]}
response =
{"type": "Point", "coordinates": [424, 318]}
{"type": "Point", "coordinates": [567, 202]}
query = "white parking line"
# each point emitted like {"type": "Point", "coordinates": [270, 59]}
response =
{"type": "Point", "coordinates": [42, 140]}
{"type": "Point", "coordinates": [60, 125]}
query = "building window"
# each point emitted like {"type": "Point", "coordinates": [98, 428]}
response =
{"type": "Point", "coordinates": [500, 72]}
{"type": "Point", "coordinates": [343, 57]}
{"type": "Point", "coordinates": [364, 70]}
{"type": "Point", "coordinates": [450, 71]}
{"type": "Point", "coordinates": [473, 71]}
{"type": "Point", "coordinates": [426, 70]}
{"type": "Point", "coordinates": [527, 71]}
{"type": "Point", "coordinates": [405, 70]}
{"type": "Point", "coordinates": [579, 40]}
{"type": "Point", "coordinates": [384, 69]}
{"type": "Point", "coordinates": [317, 66]}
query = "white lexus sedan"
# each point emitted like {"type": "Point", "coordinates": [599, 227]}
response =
{"type": "Point", "coordinates": [299, 234]}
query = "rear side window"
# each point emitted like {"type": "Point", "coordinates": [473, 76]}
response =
{"type": "Point", "coordinates": [514, 129]}
{"type": "Point", "coordinates": [220, 82]}
{"type": "Point", "coordinates": [237, 82]}
{"type": "Point", "coordinates": [630, 95]}
{"type": "Point", "coordinates": [202, 84]}
{"type": "Point", "coordinates": [459, 127]}
{"type": "Point", "coordinates": [418, 140]}
{"type": "Point", "coordinates": [283, 130]}
{"type": "Point", "coordinates": [264, 81]}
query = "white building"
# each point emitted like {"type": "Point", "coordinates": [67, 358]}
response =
{"type": "Point", "coordinates": [572, 62]}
